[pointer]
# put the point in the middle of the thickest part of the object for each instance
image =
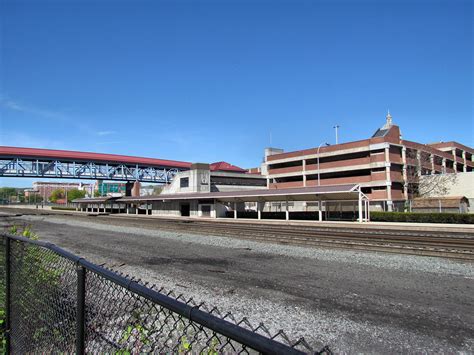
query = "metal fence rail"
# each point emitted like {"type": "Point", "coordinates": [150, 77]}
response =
{"type": "Point", "coordinates": [58, 302]}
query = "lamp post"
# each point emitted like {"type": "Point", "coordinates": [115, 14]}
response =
{"type": "Point", "coordinates": [336, 127]}
{"type": "Point", "coordinates": [327, 144]}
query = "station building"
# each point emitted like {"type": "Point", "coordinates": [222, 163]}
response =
{"type": "Point", "coordinates": [226, 191]}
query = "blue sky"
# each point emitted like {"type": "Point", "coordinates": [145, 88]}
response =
{"type": "Point", "coordinates": [209, 80]}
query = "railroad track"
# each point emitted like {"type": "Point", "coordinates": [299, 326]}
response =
{"type": "Point", "coordinates": [457, 245]}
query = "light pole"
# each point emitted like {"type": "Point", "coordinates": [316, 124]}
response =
{"type": "Point", "coordinates": [327, 144]}
{"type": "Point", "coordinates": [336, 127]}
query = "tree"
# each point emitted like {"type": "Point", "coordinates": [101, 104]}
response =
{"type": "Point", "coordinates": [56, 195]}
{"type": "Point", "coordinates": [157, 189]}
{"type": "Point", "coordinates": [421, 181]}
{"type": "Point", "coordinates": [436, 185]}
{"type": "Point", "coordinates": [11, 194]}
{"type": "Point", "coordinates": [75, 193]}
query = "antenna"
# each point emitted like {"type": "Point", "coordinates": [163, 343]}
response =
{"type": "Point", "coordinates": [336, 127]}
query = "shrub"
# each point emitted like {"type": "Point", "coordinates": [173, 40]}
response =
{"type": "Point", "coordinates": [60, 208]}
{"type": "Point", "coordinates": [454, 218]}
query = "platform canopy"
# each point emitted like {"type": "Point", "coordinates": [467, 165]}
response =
{"type": "Point", "coordinates": [95, 199]}
{"type": "Point", "coordinates": [348, 192]}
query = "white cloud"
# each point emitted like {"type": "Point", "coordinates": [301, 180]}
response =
{"type": "Point", "coordinates": [16, 139]}
{"type": "Point", "coordinates": [16, 106]}
{"type": "Point", "coordinates": [105, 133]}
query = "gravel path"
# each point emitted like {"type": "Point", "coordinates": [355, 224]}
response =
{"type": "Point", "coordinates": [352, 301]}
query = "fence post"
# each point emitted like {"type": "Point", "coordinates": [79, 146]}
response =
{"type": "Point", "coordinates": [80, 311]}
{"type": "Point", "coordinates": [7, 295]}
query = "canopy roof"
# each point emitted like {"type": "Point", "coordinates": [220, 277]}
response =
{"type": "Point", "coordinates": [95, 199]}
{"type": "Point", "coordinates": [330, 192]}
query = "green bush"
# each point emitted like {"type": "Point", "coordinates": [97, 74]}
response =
{"type": "Point", "coordinates": [454, 218]}
{"type": "Point", "coordinates": [60, 208]}
{"type": "Point", "coordinates": [41, 274]}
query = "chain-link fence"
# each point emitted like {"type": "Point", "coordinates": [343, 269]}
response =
{"type": "Point", "coordinates": [58, 302]}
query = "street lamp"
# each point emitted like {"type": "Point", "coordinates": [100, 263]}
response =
{"type": "Point", "coordinates": [327, 144]}
{"type": "Point", "coordinates": [336, 127]}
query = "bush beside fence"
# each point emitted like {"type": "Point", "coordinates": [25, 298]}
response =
{"type": "Point", "coordinates": [454, 218]}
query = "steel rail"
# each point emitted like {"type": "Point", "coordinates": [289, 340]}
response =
{"type": "Point", "coordinates": [412, 242]}
{"type": "Point", "coordinates": [459, 248]}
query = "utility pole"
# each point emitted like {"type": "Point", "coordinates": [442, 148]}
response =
{"type": "Point", "coordinates": [336, 127]}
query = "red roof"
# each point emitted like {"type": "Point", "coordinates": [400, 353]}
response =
{"type": "Point", "coordinates": [224, 166]}
{"type": "Point", "coordinates": [87, 156]}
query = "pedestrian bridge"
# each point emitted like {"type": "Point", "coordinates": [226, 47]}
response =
{"type": "Point", "coordinates": [49, 163]}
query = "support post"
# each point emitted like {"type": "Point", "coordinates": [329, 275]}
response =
{"type": "Point", "coordinates": [128, 209]}
{"type": "Point", "coordinates": [7, 295]}
{"type": "Point", "coordinates": [235, 210]}
{"type": "Point", "coordinates": [136, 209]}
{"type": "Point", "coordinates": [287, 213]}
{"type": "Point", "coordinates": [80, 310]}
{"type": "Point", "coordinates": [259, 210]}
{"type": "Point", "coordinates": [368, 211]}
{"type": "Point", "coordinates": [320, 210]}
{"type": "Point", "coordinates": [360, 206]}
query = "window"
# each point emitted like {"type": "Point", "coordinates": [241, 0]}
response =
{"type": "Point", "coordinates": [184, 182]}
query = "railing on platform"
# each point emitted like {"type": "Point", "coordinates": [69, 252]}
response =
{"type": "Point", "coordinates": [59, 302]}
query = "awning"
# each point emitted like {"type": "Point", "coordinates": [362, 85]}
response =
{"type": "Point", "coordinates": [329, 192]}
{"type": "Point", "coordinates": [96, 199]}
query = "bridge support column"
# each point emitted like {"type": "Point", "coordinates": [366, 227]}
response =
{"type": "Point", "coordinates": [136, 188]}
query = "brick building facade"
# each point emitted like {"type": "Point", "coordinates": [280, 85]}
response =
{"type": "Point", "coordinates": [384, 165]}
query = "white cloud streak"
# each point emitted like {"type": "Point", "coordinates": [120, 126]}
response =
{"type": "Point", "coordinates": [105, 133]}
